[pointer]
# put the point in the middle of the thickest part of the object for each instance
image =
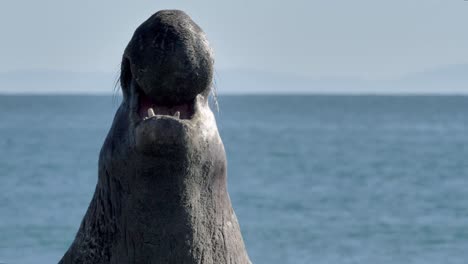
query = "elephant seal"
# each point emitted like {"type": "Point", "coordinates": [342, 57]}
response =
{"type": "Point", "coordinates": [161, 195]}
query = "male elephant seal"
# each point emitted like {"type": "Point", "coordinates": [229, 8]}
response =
{"type": "Point", "coordinates": [161, 194]}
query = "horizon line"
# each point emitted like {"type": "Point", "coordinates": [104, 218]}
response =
{"type": "Point", "coordinates": [280, 93]}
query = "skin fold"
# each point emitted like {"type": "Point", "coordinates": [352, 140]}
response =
{"type": "Point", "coordinates": [161, 195]}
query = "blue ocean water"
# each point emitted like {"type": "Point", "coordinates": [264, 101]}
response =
{"type": "Point", "coordinates": [313, 179]}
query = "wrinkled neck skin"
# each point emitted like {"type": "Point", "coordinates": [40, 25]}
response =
{"type": "Point", "coordinates": [166, 206]}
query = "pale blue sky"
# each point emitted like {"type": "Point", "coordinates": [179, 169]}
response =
{"type": "Point", "coordinates": [368, 39]}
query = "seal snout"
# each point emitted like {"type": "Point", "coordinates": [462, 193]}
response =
{"type": "Point", "coordinates": [170, 61]}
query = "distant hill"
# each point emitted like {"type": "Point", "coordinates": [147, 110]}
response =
{"type": "Point", "coordinates": [448, 80]}
{"type": "Point", "coordinates": [243, 81]}
{"type": "Point", "coordinates": [57, 82]}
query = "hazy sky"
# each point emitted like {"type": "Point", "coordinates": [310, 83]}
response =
{"type": "Point", "coordinates": [370, 39]}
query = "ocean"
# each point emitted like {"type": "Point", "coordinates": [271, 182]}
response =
{"type": "Point", "coordinates": [313, 179]}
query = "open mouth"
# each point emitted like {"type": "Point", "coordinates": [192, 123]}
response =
{"type": "Point", "coordinates": [148, 108]}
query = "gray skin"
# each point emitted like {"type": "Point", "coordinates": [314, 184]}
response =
{"type": "Point", "coordinates": [161, 194]}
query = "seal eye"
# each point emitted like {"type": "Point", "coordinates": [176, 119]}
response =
{"type": "Point", "coordinates": [125, 76]}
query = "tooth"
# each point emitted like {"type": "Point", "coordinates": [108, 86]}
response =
{"type": "Point", "coordinates": [150, 112]}
{"type": "Point", "coordinates": [177, 114]}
